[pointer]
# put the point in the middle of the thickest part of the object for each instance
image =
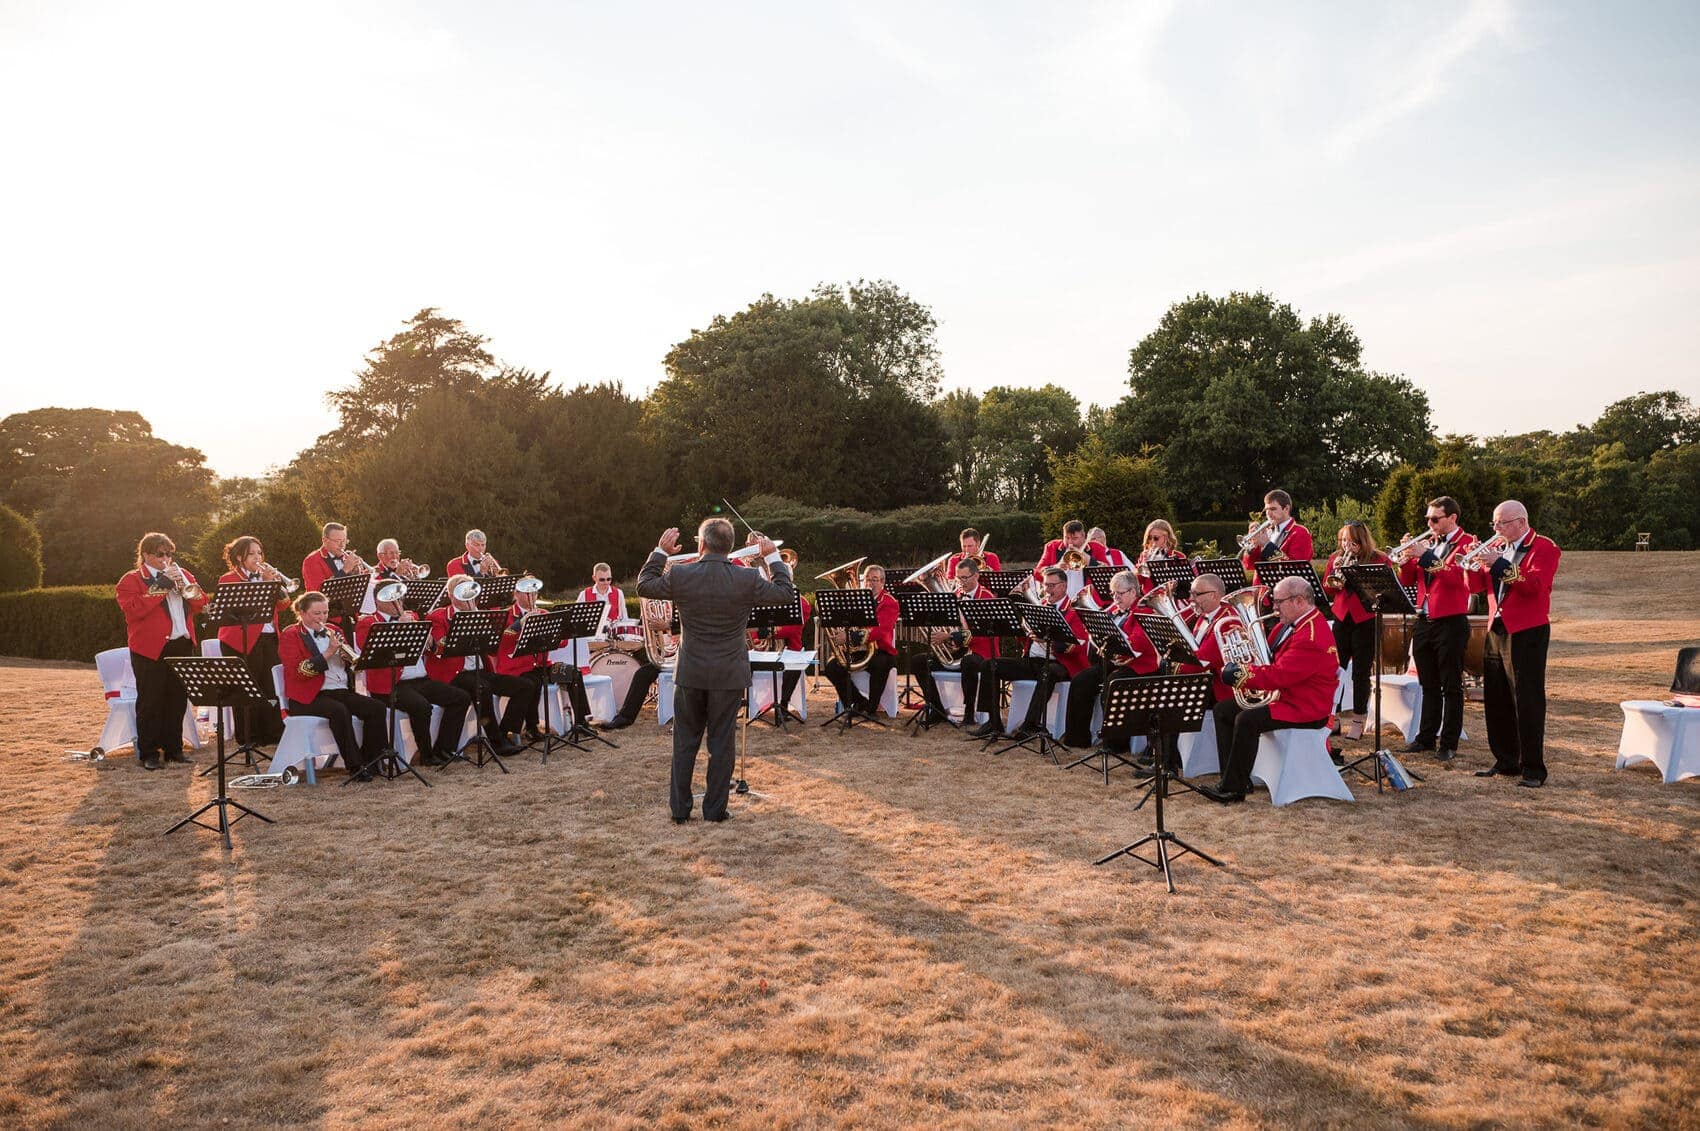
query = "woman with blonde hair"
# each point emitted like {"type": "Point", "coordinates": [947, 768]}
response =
{"type": "Point", "coordinates": [1159, 543]}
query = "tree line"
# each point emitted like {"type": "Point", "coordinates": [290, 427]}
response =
{"type": "Point", "coordinates": [830, 405]}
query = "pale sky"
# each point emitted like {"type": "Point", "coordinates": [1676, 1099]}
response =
{"type": "Point", "coordinates": [1502, 198]}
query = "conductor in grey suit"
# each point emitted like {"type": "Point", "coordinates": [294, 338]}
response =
{"type": "Point", "coordinates": [713, 597]}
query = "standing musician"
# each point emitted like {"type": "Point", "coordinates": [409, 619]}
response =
{"type": "Point", "coordinates": [1354, 625]}
{"type": "Point", "coordinates": [1065, 663]}
{"type": "Point", "coordinates": [602, 588]}
{"type": "Point", "coordinates": [981, 650]}
{"type": "Point", "coordinates": [712, 672]}
{"type": "Point", "coordinates": [1305, 672]}
{"type": "Point", "coordinates": [1111, 556]}
{"type": "Point", "coordinates": [1087, 684]}
{"type": "Point", "coordinates": [475, 562]}
{"type": "Point", "coordinates": [520, 678]}
{"type": "Point", "coordinates": [1443, 626]}
{"type": "Point", "coordinates": [318, 680]}
{"type": "Point", "coordinates": [392, 566]}
{"type": "Point", "coordinates": [1073, 538]}
{"type": "Point", "coordinates": [467, 674]}
{"type": "Point", "coordinates": [255, 643]}
{"type": "Point", "coordinates": [159, 600]}
{"type": "Point", "coordinates": [971, 541]}
{"type": "Point", "coordinates": [884, 637]}
{"type": "Point", "coordinates": [416, 690]}
{"type": "Point", "coordinates": [1516, 571]}
{"type": "Point", "coordinates": [1159, 544]}
{"type": "Point", "coordinates": [1280, 536]}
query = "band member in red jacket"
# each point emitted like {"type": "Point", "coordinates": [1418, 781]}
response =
{"type": "Point", "coordinates": [884, 636]}
{"type": "Point", "coordinates": [1284, 538]}
{"type": "Point", "coordinates": [1306, 671]}
{"type": "Point", "coordinates": [1354, 625]}
{"type": "Point", "coordinates": [1111, 556]}
{"type": "Point", "coordinates": [415, 692]}
{"type": "Point", "coordinates": [1443, 626]}
{"type": "Point", "coordinates": [476, 562]}
{"type": "Point", "coordinates": [1159, 544]}
{"type": "Point", "coordinates": [520, 678]}
{"type": "Point", "coordinates": [971, 542]}
{"type": "Point", "coordinates": [159, 600]}
{"type": "Point", "coordinates": [255, 643]}
{"type": "Point", "coordinates": [1202, 616]}
{"type": "Point", "coordinates": [333, 558]}
{"type": "Point", "coordinates": [1518, 582]}
{"type": "Point", "coordinates": [976, 660]}
{"type": "Point", "coordinates": [1065, 663]}
{"type": "Point", "coordinates": [1073, 538]}
{"type": "Point", "coordinates": [317, 680]}
{"type": "Point", "coordinates": [467, 672]}
{"type": "Point", "coordinates": [1088, 684]}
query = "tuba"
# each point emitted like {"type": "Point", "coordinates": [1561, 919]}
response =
{"type": "Point", "coordinates": [846, 576]}
{"type": "Point", "coordinates": [1244, 642]}
{"type": "Point", "coordinates": [931, 576]}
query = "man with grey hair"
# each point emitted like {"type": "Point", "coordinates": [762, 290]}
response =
{"type": "Point", "coordinates": [476, 562]}
{"type": "Point", "coordinates": [714, 597]}
{"type": "Point", "coordinates": [1305, 670]}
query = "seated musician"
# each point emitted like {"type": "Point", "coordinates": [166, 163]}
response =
{"type": "Point", "coordinates": [884, 637]}
{"type": "Point", "coordinates": [415, 690]}
{"type": "Point", "coordinates": [318, 681]}
{"type": "Point", "coordinates": [1065, 663]}
{"type": "Point", "coordinates": [602, 588]}
{"type": "Point", "coordinates": [255, 643]}
{"type": "Point", "coordinates": [1087, 685]}
{"type": "Point", "coordinates": [520, 678]}
{"type": "Point", "coordinates": [1354, 625]}
{"type": "Point", "coordinates": [476, 562]}
{"type": "Point", "coordinates": [1160, 544]}
{"type": "Point", "coordinates": [465, 672]}
{"type": "Point", "coordinates": [159, 600]}
{"type": "Point", "coordinates": [789, 637]}
{"type": "Point", "coordinates": [1204, 613]}
{"type": "Point", "coordinates": [1111, 556]}
{"type": "Point", "coordinates": [1073, 538]}
{"type": "Point", "coordinates": [976, 660]}
{"type": "Point", "coordinates": [1305, 672]}
{"type": "Point", "coordinates": [970, 540]}
{"type": "Point", "coordinates": [1280, 537]}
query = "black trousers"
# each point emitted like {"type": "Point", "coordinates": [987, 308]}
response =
{"type": "Point", "coordinates": [576, 696]}
{"type": "Point", "coordinates": [642, 680]}
{"type": "Point", "coordinates": [161, 701]}
{"type": "Point", "coordinates": [1514, 696]}
{"type": "Point", "coordinates": [980, 688]}
{"type": "Point", "coordinates": [1048, 673]}
{"type": "Point", "coordinates": [415, 698]}
{"type": "Point", "coordinates": [1354, 642]}
{"type": "Point", "coordinates": [340, 707]}
{"type": "Point", "coordinates": [1237, 732]}
{"type": "Point", "coordinates": [700, 713]}
{"type": "Point", "coordinates": [922, 665]}
{"type": "Point", "coordinates": [1083, 695]}
{"type": "Point", "coordinates": [263, 725]}
{"type": "Point", "coordinates": [1438, 646]}
{"type": "Point", "coordinates": [878, 669]}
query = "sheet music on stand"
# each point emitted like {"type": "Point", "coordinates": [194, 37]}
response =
{"type": "Point", "coordinates": [923, 608]}
{"type": "Point", "coordinates": [1268, 573]}
{"type": "Point", "coordinates": [496, 592]}
{"type": "Point", "coordinates": [474, 632]}
{"type": "Point", "coordinates": [780, 615]}
{"type": "Point", "coordinates": [217, 682]}
{"type": "Point", "coordinates": [346, 593]}
{"type": "Point", "coordinates": [1003, 582]}
{"type": "Point", "coordinates": [1161, 631]}
{"type": "Point", "coordinates": [1375, 583]}
{"type": "Point", "coordinates": [1098, 576]}
{"type": "Point", "coordinates": [993, 618]}
{"type": "Point", "coordinates": [1230, 570]}
{"type": "Point", "coordinates": [846, 608]}
{"type": "Point", "coordinates": [243, 603]}
{"type": "Point", "coordinates": [425, 594]}
{"type": "Point", "coordinates": [1165, 570]}
{"type": "Point", "coordinates": [1105, 634]}
{"type": "Point", "coordinates": [394, 644]}
{"type": "Point", "coordinates": [1047, 624]}
{"type": "Point", "coordinates": [896, 587]}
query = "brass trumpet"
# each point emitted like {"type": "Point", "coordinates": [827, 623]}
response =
{"type": "Point", "coordinates": [188, 590]}
{"type": "Point", "coordinates": [1412, 544]}
{"type": "Point", "coordinates": [1248, 540]}
{"type": "Point", "coordinates": [269, 572]}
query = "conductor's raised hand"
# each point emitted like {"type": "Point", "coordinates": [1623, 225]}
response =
{"type": "Point", "coordinates": [767, 547]}
{"type": "Point", "coordinates": [669, 540]}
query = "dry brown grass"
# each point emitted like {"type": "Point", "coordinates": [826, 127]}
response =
{"type": "Point", "coordinates": [901, 931]}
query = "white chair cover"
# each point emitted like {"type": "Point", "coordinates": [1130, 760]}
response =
{"type": "Point", "coordinates": [307, 739]}
{"type": "Point", "coordinates": [1198, 751]}
{"type": "Point", "coordinates": [119, 683]}
{"type": "Point", "coordinates": [888, 698]}
{"type": "Point", "coordinates": [761, 694]}
{"type": "Point", "coordinates": [1294, 764]}
{"type": "Point", "coordinates": [950, 695]}
{"type": "Point", "coordinates": [1666, 736]}
{"type": "Point", "coordinates": [1056, 711]}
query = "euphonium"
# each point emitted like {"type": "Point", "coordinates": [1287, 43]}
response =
{"type": "Point", "coordinates": [1073, 558]}
{"type": "Point", "coordinates": [1244, 643]}
{"type": "Point", "coordinates": [656, 617]}
{"type": "Point", "coordinates": [1162, 600]}
{"type": "Point", "coordinates": [931, 576]}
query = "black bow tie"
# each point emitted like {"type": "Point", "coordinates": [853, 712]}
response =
{"type": "Point", "coordinates": [321, 635]}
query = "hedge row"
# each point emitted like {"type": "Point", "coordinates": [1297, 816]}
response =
{"type": "Point", "coordinates": [825, 536]}
{"type": "Point", "coordinates": [70, 622]}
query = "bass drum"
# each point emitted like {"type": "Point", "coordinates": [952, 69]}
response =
{"type": "Point", "coordinates": [1396, 634]}
{"type": "Point", "coordinates": [618, 665]}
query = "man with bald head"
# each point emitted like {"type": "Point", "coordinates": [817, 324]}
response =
{"type": "Point", "coordinates": [1306, 673]}
{"type": "Point", "coordinates": [1518, 583]}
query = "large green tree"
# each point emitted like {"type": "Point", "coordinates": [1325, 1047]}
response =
{"type": "Point", "coordinates": [40, 448]}
{"type": "Point", "coordinates": [1237, 395]}
{"type": "Point", "coordinates": [1119, 493]}
{"type": "Point", "coordinates": [1020, 431]}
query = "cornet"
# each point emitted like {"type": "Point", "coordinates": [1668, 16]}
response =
{"type": "Point", "coordinates": [1479, 556]}
{"type": "Point", "coordinates": [354, 563]}
{"type": "Point", "coordinates": [408, 570]}
{"type": "Point", "coordinates": [269, 572]}
{"type": "Point", "coordinates": [1248, 540]}
{"type": "Point", "coordinates": [188, 590]}
{"type": "Point", "coordinates": [1409, 546]}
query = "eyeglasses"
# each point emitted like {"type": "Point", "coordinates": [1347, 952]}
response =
{"type": "Point", "coordinates": [1507, 521]}
{"type": "Point", "coordinates": [1289, 597]}
{"type": "Point", "coordinates": [1434, 518]}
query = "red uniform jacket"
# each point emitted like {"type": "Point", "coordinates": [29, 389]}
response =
{"type": "Point", "coordinates": [1345, 602]}
{"type": "Point", "coordinates": [1114, 557]}
{"type": "Point", "coordinates": [147, 618]}
{"type": "Point", "coordinates": [1054, 551]}
{"type": "Point", "coordinates": [291, 650]}
{"type": "Point", "coordinates": [1306, 671]}
{"type": "Point", "coordinates": [984, 646]}
{"type": "Point", "coordinates": [378, 680]}
{"type": "Point", "coordinates": [315, 568]}
{"type": "Point", "coordinates": [1077, 657]}
{"type": "Point", "coordinates": [616, 600]}
{"type": "Point", "coordinates": [1147, 661]}
{"type": "Point", "coordinates": [504, 662]}
{"type": "Point", "coordinates": [1528, 598]}
{"type": "Point", "coordinates": [1208, 651]}
{"type": "Point", "coordinates": [992, 562]}
{"type": "Point", "coordinates": [885, 633]}
{"type": "Point", "coordinates": [461, 565]}
{"type": "Point", "coordinates": [1294, 544]}
{"type": "Point", "coordinates": [243, 637]}
{"type": "Point", "coordinates": [791, 634]}
{"type": "Point", "coordinates": [442, 668]}
{"type": "Point", "coordinates": [1446, 590]}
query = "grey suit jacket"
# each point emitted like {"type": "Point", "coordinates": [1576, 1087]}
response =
{"type": "Point", "coordinates": [714, 597]}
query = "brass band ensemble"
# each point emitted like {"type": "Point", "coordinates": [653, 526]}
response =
{"type": "Point", "coordinates": [1277, 641]}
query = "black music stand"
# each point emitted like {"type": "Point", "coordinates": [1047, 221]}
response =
{"type": "Point", "coordinates": [1109, 640]}
{"type": "Point", "coordinates": [217, 682]}
{"type": "Point", "coordinates": [578, 620]}
{"type": "Point", "coordinates": [1003, 582]}
{"type": "Point", "coordinates": [926, 610]}
{"type": "Point", "coordinates": [242, 604]}
{"type": "Point", "coordinates": [1230, 570]}
{"type": "Point", "coordinates": [1046, 625]}
{"type": "Point", "coordinates": [853, 611]}
{"type": "Point", "coordinates": [476, 633]}
{"type": "Point", "coordinates": [425, 594]}
{"type": "Point", "coordinates": [495, 592]}
{"type": "Point", "coordinates": [1098, 577]}
{"type": "Point", "coordinates": [1377, 587]}
{"type": "Point", "coordinates": [1170, 645]}
{"type": "Point", "coordinates": [1270, 573]}
{"type": "Point", "coordinates": [395, 645]}
{"type": "Point", "coordinates": [1181, 571]}
{"type": "Point", "coordinates": [770, 617]}
{"type": "Point", "coordinates": [346, 592]}
{"type": "Point", "coordinates": [1160, 704]}
{"type": "Point", "coordinates": [996, 619]}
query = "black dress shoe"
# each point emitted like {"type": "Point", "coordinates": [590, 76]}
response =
{"type": "Point", "coordinates": [1334, 756]}
{"type": "Point", "coordinates": [1222, 796]}
{"type": "Point", "coordinates": [1532, 783]}
{"type": "Point", "coordinates": [717, 817]}
{"type": "Point", "coordinates": [179, 757]}
{"type": "Point", "coordinates": [1493, 771]}
{"type": "Point", "coordinates": [152, 762]}
{"type": "Point", "coordinates": [678, 820]}
{"type": "Point", "coordinates": [618, 722]}
{"type": "Point", "coordinates": [503, 747]}
{"type": "Point", "coordinates": [1445, 754]}
{"type": "Point", "coordinates": [1416, 748]}
{"type": "Point", "coordinates": [987, 729]}
{"type": "Point", "coordinates": [532, 734]}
